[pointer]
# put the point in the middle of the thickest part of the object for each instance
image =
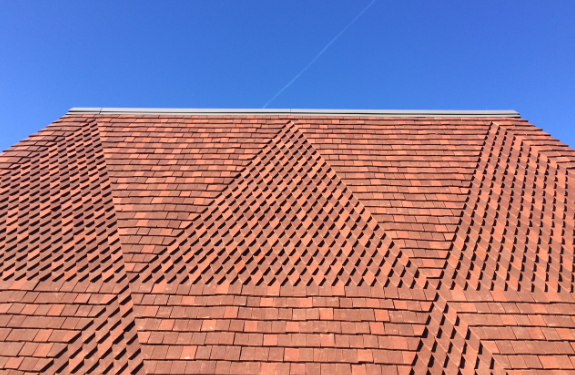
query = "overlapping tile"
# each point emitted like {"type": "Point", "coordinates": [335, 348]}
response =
{"type": "Point", "coordinates": [511, 263]}
{"type": "Point", "coordinates": [287, 231]}
{"type": "Point", "coordinates": [64, 296]}
{"type": "Point", "coordinates": [448, 344]}
{"type": "Point", "coordinates": [269, 244]}
{"type": "Point", "coordinates": [254, 331]}
{"type": "Point", "coordinates": [412, 174]}
{"type": "Point", "coordinates": [165, 171]}
{"type": "Point", "coordinates": [286, 219]}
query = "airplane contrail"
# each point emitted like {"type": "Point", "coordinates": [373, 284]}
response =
{"type": "Point", "coordinates": [319, 54]}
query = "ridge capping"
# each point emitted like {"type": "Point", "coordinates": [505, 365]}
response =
{"type": "Point", "coordinates": [295, 112]}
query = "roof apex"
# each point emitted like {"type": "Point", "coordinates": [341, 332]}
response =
{"type": "Point", "coordinates": [297, 112]}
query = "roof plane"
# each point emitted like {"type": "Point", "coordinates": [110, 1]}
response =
{"type": "Point", "coordinates": [190, 241]}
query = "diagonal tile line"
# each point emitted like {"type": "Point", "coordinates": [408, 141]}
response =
{"type": "Point", "coordinates": [253, 187]}
{"type": "Point", "coordinates": [440, 313]}
{"type": "Point", "coordinates": [212, 260]}
{"type": "Point", "coordinates": [550, 276]}
{"type": "Point", "coordinates": [163, 256]}
{"type": "Point", "coordinates": [341, 186]}
{"type": "Point", "coordinates": [480, 279]}
{"type": "Point", "coordinates": [310, 190]}
{"type": "Point", "coordinates": [82, 172]}
{"type": "Point", "coordinates": [460, 272]}
{"type": "Point", "coordinates": [445, 295]}
{"type": "Point", "coordinates": [272, 197]}
{"type": "Point", "coordinates": [151, 217]}
{"type": "Point", "coordinates": [453, 263]}
{"type": "Point", "coordinates": [416, 277]}
{"type": "Point", "coordinates": [71, 177]}
{"type": "Point", "coordinates": [213, 208]}
{"type": "Point", "coordinates": [461, 265]}
{"type": "Point", "coordinates": [482, 356]}
{"type": "Point", "coordinates": [247, 181]}
{"type": "Point", "coordinates": [233, 248]}
{"type": "Point", "coordinates": [250, 188]}
{"type": "Point", "coordinates": [295, 208]}
{"type": "Point", "coordinates": [38, 146]}
{"type": "Point", "coordinates": [366, 216]}
{"type": "Point", "coordinates": [437, 312]}
{"type": "Point", "coordinates": [124, 299]}
{"type": "Point", "coordinates": [563, 205]}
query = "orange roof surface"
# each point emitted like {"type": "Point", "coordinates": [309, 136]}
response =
{"type": "Point", "coordinates": [278, 244]}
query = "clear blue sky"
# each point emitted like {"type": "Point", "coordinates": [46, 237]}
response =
{"type": "Point", "coordinates": [405, 54]}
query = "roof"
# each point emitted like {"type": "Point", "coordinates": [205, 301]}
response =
{"type": "Point", "coordinates": [243, 242]}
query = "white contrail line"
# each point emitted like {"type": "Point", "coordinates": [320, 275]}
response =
{"type": "Point", "coordinates": [319, 54]}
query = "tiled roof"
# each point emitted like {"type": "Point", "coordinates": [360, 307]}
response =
{"type": "Point", "coordinates": [277, 243]}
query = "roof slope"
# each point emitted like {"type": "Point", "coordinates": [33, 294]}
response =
{"type": "Point", "coordinates": [277, 243]}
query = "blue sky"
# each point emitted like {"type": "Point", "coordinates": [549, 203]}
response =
{"type": "Point", "coordinates": [409, 54]}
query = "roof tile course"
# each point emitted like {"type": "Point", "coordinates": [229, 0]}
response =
{"type": "Point", "coordinates": [165, 173]}
{"type": "Point", "coordinates": [287, 245]}
{"type": "Point", "coordinates": [412, 177]}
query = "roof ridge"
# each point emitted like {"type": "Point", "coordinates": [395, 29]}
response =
{"type": "Point", "coordinates": [297, 112]}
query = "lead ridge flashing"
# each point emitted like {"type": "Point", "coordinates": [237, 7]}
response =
{"type": "Point", "coordinates": [294, 112]}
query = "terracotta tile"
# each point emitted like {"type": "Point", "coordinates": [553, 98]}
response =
{"type": "Point", "coordinates": [188, 352]}
{"type": "Point", "coordinates": [338, 244]}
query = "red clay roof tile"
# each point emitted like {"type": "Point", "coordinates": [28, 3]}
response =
{"type": "Point", "coordinates": [284, 244]}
